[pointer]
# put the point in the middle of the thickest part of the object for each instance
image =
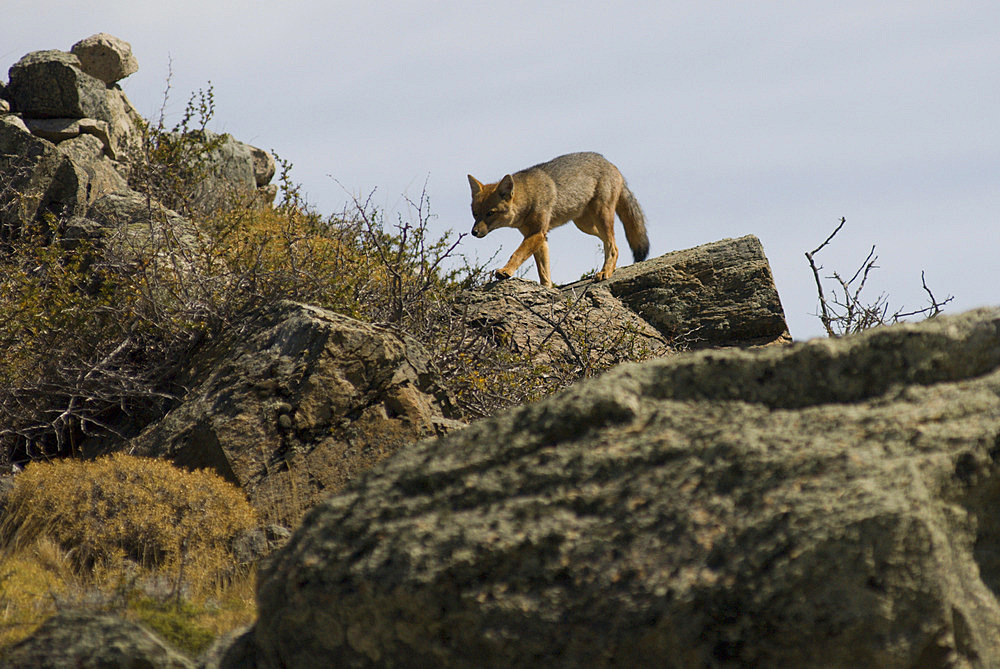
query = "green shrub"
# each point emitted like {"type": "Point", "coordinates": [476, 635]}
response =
{"type": "Point", "coordinates": [169, 164]}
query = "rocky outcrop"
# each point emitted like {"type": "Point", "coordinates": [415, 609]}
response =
{"type": "Point", "coordinates": [70, 102]}
{"type": "Point", "coordinates": [294, 405]}
{"type": "Point", "coordinates": [249, 546]}
{"type": "Point", "coordinates": [826, 504]}
{"type": "Point", "coordinates": [52, 85]}
{"type": "Point", "coordinates": [547, 323]}
{"type": "Point", "coordinates": [232, 174]}
{"type": "Point", "coordinates": [81, 639]}
{"type": "Point", "coordinates": [717, 294]}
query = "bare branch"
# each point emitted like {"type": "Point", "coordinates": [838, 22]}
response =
{"type": "Point", "coordinates": [846, 312]}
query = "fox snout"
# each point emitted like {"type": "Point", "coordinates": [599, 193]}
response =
{"type": "Point", "coordinates": [480, 229]}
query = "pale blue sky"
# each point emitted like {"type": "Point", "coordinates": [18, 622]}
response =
{"type": "Point", "coordinates": [727, 118]}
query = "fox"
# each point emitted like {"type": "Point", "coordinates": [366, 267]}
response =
{"type": "Point", "coordinates": [585, 188]}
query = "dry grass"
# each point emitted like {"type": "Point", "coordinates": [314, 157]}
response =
{"type": "Point", "coordinates": [132, 535]}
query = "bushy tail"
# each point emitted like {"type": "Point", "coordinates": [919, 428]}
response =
{"type": "Point", "coordinates": [634, 220]}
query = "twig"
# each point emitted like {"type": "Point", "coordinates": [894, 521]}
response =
{"type": "Point", "coordinates": [825, 315]}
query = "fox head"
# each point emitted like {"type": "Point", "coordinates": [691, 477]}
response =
{"type": "Point", "coordinates": [492, 205]}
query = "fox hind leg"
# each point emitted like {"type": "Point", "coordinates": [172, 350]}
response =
{"type": "Point", "coordinates": [600, 222]}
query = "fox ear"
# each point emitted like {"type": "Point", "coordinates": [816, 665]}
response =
{"type": "Point", "coordinates": [506, 187]}
{"type": "Point", "coordinates": [475, 184]}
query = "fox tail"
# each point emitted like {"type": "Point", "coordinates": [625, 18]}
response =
{"type": "Point", "coordinates": [634, 220]}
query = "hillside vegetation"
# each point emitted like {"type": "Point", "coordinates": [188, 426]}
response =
{"type": "Point", "coordinates": [94, 328]}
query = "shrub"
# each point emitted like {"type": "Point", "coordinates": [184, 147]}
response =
{"type": "Point", "coordinates": [95, 330]}
{"type": "Point", "coordinates": [103, 511]}
{"type": "Point", "coordinates": [169, 164]}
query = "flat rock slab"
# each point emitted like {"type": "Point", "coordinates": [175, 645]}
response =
{"type": "Point", "coordinates": [717, 294]}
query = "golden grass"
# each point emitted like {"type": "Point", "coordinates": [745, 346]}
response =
{"type": "Point", "coordinates": [131, 535]}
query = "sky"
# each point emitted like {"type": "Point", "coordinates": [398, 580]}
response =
{"type": "Point", "coordinates": [727, 118]}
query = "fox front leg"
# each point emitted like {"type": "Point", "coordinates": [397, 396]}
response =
{"type": "Point", "coordinates": [531, 245]}
{"type": "Point", "coordinates": [542, 264]}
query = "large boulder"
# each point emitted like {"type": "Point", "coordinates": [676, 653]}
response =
{"type": "Point", "coordinates": [717, 294]}
{"type": "Point", "coordinates": [105, 57]}
{"type": "Point", "coordinates": [826, 504]}
{"type": "Point", "coordinates": [295, 404]}
{"type": "Point", "coordinates": [38, 179]}
{"type": "Point", "coordinates": [50, 84]}
{"type": "Point", "coordinates": [92, 641]}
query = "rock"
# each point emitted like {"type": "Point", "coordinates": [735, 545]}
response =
{"type": "Point", "coordinates": [547, 323]}
{"type": "Point", "coordinates": [38, 179]}
{"type": "Point", "coordinates": [267, 194]}
{"type": "Point", "coordinates": [105, 57]}
{"type": "Point", "coordinates": [50, 84]}
{"type": "Point", "coordinates": [128, 225]}
{"type": "Point", "coordinates": [86, 151]}
{"type": "Point", "coordinates": [263, 166]}
{"type": "Point", "coordinates": [297, 403]}
{"type": "Point", "coordinates": [59, 180]}
{"type": "Point", "coordinates": [826, 504]}
{"type": "Point", "coordinates": [124, 124]}
{"type": "Point", "coordinates": [235, 173]}
{"type": "Point", "coordinates": [250, 546]}
{"type": "Point", "coordinates": [230, 177]}
{"type": "Point", "coordinates": [233, 650]}
{"type": "Point", "coordinates": [92, 641]}
{"type": "Point", "coordinates": [134, 210]}
{"type": "Point", "coordinates": [718, 294]}
{"type": "Point", "coordinates": [59, 129]}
